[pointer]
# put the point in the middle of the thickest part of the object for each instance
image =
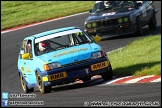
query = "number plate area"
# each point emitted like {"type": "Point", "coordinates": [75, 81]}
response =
{"type": "Point", "coordinates": [99, 65]}
{"type": "Point", "coordinates": [57, 76]}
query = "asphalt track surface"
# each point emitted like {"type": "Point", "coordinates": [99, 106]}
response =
{"type": "Point", "coordinates": [76, 94]}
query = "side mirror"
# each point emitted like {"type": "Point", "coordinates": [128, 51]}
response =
{"type": "Point", "coordinates": [25, 56]}
{"type": "Point", "coordinates": [22, 52]}
{"type": "Point", "coordinates": [90, 11]}
{"type": "Point", "coordinates": [97, 38]}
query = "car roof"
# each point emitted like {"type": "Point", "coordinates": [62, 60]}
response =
{"type": "Point", "coordinates": [103, 1]}
{"type": "Point", "coordinates": [98, 1]}
{"type": "Point", "coordinates": [52, 32]}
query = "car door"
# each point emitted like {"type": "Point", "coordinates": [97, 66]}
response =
{"type": "Point", "coordinates": [27, 65]}
{"type": "Point", "coordinates": [21, 61]}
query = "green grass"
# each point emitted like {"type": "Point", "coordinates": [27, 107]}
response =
{"type": "Point", "coordinates": [139, 58]}
{"type": "Point", "coordinates": [18, 13]}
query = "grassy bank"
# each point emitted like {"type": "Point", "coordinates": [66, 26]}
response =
{"type": "Point", "coordinates": [17, 13]}
{"type": "Point", "coordinates": [141, 57]}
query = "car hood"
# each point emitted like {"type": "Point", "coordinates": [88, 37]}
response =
{"type": "Point", "coordinates": [71, 54]}
{"type": "Point", "coordinates": [108, 14]}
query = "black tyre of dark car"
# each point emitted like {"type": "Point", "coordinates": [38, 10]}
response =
{"type": "Point", "coordinates": [152, 24]}
{"type": "Point", "coordinates": [139, 30]}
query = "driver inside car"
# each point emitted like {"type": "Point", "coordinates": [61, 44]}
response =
{"type": "Point", "coordinates": [43, 46]}
{"type": "Point", "coordinates": [108, 4]}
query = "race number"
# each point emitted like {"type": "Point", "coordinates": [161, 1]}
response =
{"type": "Point", "coordinates": [79, 33]}
{"type": "Point", "coordinates": [106, 14]}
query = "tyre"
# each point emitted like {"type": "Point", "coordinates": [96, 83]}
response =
{"type": "Point", "coordinates": [108, 75]}
{"type": "Point", "coordinates": [139, 30]}
{"type": "Point", "coordinates": [24, 86]}
{"type": "Point", "coordinates": [152, 23]}
{"type": "Point", "coordinates": [42, 88]}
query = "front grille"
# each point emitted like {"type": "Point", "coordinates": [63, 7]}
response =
{"type": "Point", "coordinates": [77, 68]}
{"type": "Point", "coordinates": [108, 22]}
{"type": "Point", "coordinates": [105, 23]}
{"type": "Point", "coordinates": [75, 63]}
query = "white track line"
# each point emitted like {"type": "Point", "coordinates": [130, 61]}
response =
{"type": "Point", "coordinates": [110, 82]}
{"type": "Point", "coordinates": [138, 79]}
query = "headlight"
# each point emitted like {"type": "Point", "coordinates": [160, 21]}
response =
{"type": "Point", "coordinates": [125, 19]}
{"type": "Point", "coordinates": [120, 20]}
{"type": "Point", "coordinates": [54, 65]}
{"type": "Point", "coordinates": [88, 25]}
{"type": "Point", "coordinates": [96, 55]}
{"type": "Point", "coordinates": [94, 24]}
{"type": "Point", "coordinates": [51, 66]}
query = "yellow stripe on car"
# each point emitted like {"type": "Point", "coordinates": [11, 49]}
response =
{"type": "Point", "coordinates": [22, 68]}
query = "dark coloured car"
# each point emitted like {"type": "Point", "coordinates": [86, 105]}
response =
{"type": "Point", "coordinates": [114, 18]}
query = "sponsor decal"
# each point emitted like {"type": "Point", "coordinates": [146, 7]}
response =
{"type": "Point", "coordinates": [69, 52]}
{"type": "Point", "coordinates": [87, 70]}
{"type": "Point", "coordinates": [28, 69]}
{"type": "Point", "coordinates": [22, 68]}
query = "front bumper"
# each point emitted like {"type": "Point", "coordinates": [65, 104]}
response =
{"type": "Point", "coordinates": [115, 30]}
{"type": "Point", "coordinates": [71, 73]}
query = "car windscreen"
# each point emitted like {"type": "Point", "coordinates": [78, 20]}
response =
{"type": "Point", "coordinates": [102, 5]}
{"type": "Point", "coordinates": [58, 41]}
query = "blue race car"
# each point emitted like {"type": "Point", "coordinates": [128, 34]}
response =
{"type": "Point", "coordinates": [60, 56]}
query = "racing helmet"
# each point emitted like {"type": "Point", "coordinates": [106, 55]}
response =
{"type": "Point", "coordinates": [107, 4]}
{"type": "Point", "coordinates": [43, 45]}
